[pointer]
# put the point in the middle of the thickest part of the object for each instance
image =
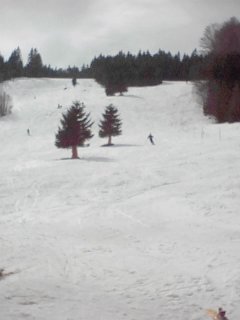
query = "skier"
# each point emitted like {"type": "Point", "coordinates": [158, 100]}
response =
{"type": "Point", "coordinates": [221, 314]}
{"type": "Point", "coordinates": [28, 132]}
{"type": "Point", "coordinates": [217, 315]}
{"type": "Point", "coordinates": [150, 137]}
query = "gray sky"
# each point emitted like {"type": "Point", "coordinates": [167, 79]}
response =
{"type": "Point", "coordinates": [72, 32]}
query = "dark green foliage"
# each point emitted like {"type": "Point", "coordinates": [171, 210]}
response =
{"type": "Point", "coordinates": [85, 72]}
{"type": "Point", "coordinates": [111, 89]}
{"type": "Point", "coordinates": [111, 124]}
{"type": "Point", "coordinates": [115, 73]}
{"type": "Point", "coordinates": [119, 72]}
{"type": "Point", "coordinates": [34, 66]}
{"type": "Point", "coordinates": [14, 65]}
{"type": "Point", "coordinates": [74, 81]}
{"type": "Point", "coordinates": [2, 69]}
{"type": "Point", "coordinates": [75, 127]}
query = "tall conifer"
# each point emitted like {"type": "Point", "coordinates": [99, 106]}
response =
{"type": "Point", "coordinates": [111, 124]}
{"type": "Point", "coordinates": [15, 64]}
{"type": "Point", "coordinates": [34, 67]}
{"type": "Point", "coordinates": [75, 129]}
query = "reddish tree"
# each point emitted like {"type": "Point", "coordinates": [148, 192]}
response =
{"type": "Point", "coordinates": [223, 71]}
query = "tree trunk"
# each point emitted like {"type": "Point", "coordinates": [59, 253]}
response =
{"type": "Point", "coordinates": [74, 152]}
{"type": "Point", "coordinates": [109, 140]}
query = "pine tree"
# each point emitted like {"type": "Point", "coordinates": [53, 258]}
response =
{"type": "Point", "coordinates": [75, 129]}
{"type": "Point", "coordinates": [111, 124]}
{"type": "Point", "coordinates": [15, 64]}
{"type": "Point", "coordinates": [34, 67]}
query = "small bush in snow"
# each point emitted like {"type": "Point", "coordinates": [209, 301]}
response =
{"type": "Point", "coordinates": [5, 104]}
{"type": "Point", "coordinates": [74, 81]}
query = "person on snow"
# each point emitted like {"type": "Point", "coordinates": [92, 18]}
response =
{"type": "Point", "coordinates": [150, 137]}
{"type": "Point", "coordinates": [221, 314]}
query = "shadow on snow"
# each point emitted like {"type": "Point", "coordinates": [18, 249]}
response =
{"type": "Point", "coordinates": [121, 145]}
{"type": "Point", "coordinates": [93, 159]}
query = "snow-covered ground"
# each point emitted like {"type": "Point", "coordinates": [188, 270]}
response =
{"type": "Point", "coordinates": [135, 231]}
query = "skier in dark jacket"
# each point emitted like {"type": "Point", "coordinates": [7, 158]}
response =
{"type": "Point", "coordinates": [150, 137]}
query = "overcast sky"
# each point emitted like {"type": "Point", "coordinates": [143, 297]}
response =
{"type": "Point", "coordinates": [72, 32]}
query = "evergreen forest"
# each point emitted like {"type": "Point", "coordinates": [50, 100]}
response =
{"type": "Point", "coordinates": [124, 69]}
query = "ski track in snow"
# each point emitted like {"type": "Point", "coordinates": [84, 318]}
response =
{"type": "Point", "coordinates": [129, 232]}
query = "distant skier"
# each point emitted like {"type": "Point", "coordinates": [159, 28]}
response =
{"type": "Point", "coordinates": [28, 132]}
{"type": "Point", "coordinates": [150, 137]}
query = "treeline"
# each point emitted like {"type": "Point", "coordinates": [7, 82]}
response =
{"type": "Point", "coordinates": [132, 70]}
{"type": "Point", "coordinates": [118, 72]}
{"type": "Point", "coordinates": [14, 67]}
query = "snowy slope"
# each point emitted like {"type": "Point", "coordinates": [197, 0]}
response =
{"type": "Point", "coordinates": [130, 232]}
